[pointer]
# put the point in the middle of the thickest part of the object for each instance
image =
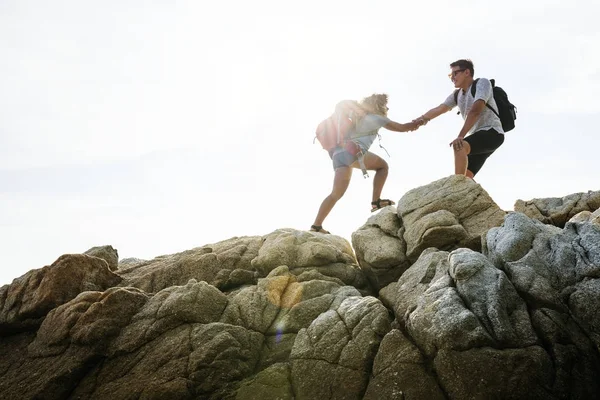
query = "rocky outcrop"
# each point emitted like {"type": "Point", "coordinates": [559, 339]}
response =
{"type": "Point", "coordinates": [516, 310]}
{"type": "Point", "coordinates": [242, 261]}
{"type": "Point", "coordinates": [107, 253]}
{"type": "Point", "coordinates": [294, 315]}
{"type": "Point", "coordinates": [381, 249]}
{"type": "Point", "coordinates": [587, 216]}
{"type": "Point", "coordinates": [447, 214]}
{"type": "Point", "coordinates": [25, 302]}
{"type": "Point", "coordinates": [558, 210]}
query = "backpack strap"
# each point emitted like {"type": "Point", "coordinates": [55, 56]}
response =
{"type": "Point", "coordinates": [474, 87]}
{"type": "Point", "coordinates": [456, 100]}
{"type": "Point", "coordinates": [474, 90]}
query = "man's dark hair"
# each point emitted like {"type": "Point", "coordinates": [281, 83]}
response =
{"type": "Point", "coordinates": [464, 64]}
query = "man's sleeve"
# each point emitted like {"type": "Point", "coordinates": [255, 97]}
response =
{"type": "Point", "coordinates": [449, 102]}
{"type": "Point", "coordinates": [484, 90]}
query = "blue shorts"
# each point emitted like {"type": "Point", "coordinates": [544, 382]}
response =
{"type": "Point", "coordinates": [343, 159]}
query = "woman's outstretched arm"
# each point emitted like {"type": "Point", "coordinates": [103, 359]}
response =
{"type": "Point", "coordinates": [398, 127]}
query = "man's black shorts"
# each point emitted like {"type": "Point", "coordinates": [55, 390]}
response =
{"type": "Point", "coordinates": [483, 144]}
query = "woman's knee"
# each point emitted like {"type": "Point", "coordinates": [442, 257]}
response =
{"type": "Point", "coordinates": [337, 193]}
{"type": "Point", "coordinates": [341, 182]}
{"type": "Point", "coordinates": [376, 163]}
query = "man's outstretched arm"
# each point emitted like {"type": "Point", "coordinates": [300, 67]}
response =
{"type": "Point", "coordinates": [431, 114]}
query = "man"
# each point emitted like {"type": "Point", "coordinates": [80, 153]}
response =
{"type": "Point", "coordinates": [470, 150]}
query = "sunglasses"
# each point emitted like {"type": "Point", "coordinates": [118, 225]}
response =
{"type": "Point", "coordinates": [454, 73]}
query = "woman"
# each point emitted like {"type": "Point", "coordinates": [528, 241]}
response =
{"type": "Point", "coordinates": [368, 116]}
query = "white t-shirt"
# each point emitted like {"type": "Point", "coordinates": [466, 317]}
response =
{"type": "Point", "coordinates": [365, 132]}
{"type": "Point", "coordinates": [367, 129]}
{"type": "Point", "coordinates": [487, 118]}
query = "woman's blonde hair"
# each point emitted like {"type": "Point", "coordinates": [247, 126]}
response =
{"type": "Point", "coordinates": [375, 104]}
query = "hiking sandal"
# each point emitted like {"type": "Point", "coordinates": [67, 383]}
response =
{"type": "Point", "coordinates": [380, 203]}
{"type": "Point", "coordinates": [318, 228]}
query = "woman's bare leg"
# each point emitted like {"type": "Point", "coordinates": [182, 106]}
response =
{"type": "Point", "coordinates": [375, 163]}
{"type": "Point", "coordinates": [341, 181]}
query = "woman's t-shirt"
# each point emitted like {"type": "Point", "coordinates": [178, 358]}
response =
{"type": "Point", "coordinates": [365, 132]}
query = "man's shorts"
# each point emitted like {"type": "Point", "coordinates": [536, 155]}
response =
{"type": "Point", "coordinates": [483, 144]}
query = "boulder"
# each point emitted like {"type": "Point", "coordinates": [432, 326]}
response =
{"type": "Point", "coordinates": [225, 265]}
{"type": "Point", "coordinates": [107, 253]}
{"type": "Point", "coordinates": [447, 214]}
{"type": "Point", "coordinates": [558, 210]}
{"type": "Point", "coordinates": [26, 301]}
{"type": "Point", "coordinates": [380, 248]}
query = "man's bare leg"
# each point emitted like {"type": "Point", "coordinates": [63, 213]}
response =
{"type": "Point", "coordinates": [461, 160]}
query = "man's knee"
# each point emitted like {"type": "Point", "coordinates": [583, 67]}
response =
{"type": "Point", "coordinates": [461, 153]}
{"type": "Point", "coordinates": [466, 147]}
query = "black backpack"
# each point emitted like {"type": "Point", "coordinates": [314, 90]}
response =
{"type": "Point", "coordinates": [507, 112]}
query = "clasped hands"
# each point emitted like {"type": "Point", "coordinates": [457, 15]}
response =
{"type": "Point", "coordinates": [417, 123]}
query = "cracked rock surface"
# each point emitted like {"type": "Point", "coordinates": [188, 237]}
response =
{"type": "Point", "coordinates": [418, 313]}
{"type": "Point", "coordinates": [559, 210]}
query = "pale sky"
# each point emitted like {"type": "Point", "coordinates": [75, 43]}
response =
{"type": "Point", "coordinates": [159, 126]}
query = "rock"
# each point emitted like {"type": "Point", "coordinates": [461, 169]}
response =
{"type": "Point", "coordinates": [587, 216]}
{"type": "Point", "coordinates": [489, 294]}
{"type": "Point", "coordinates": [298, 249]}
{"type": "Point", "coordinates": [401, 371]}
{"type": "Point", "coordinates": [558, 210]}
{"type": "Point", "coordinates": [107, 253]}
{"type": "Point", "coordinates": [91, 319]}
{"type": "Point", "coordinates": [545, 262]}
{"type": "Point", "coordinates": [287, 315]}
{"type": "Point", "coordinates": [303, 251]}
{"type": "Point", "coordinates": [440, 320]}
{"type": "Point", "coordinates": [485, 373]}
{"type": "Point", "coordinates": [225, 265]}
{"type": "Point", "coordinates": [241, 261]}
{"type": "Point", "coordinates": [381, 249]}
{"type": "Point", "coordinates": [402, 296]}
{"type": "Point", "coordinates": [556, 271]}
{"type": "Point", "coordinates": [26, 301]}
{"type": "Point", "coordinates": [340, 345]}
{"type": "Point", "coordinates": [447, 214]}
{"type": "Point", "coordinates": [272, 383]}
{"type": "Point", "coordinates": [130, 262]}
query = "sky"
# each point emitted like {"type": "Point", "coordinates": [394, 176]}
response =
{"type": "Point", "coordinates": [160, 126]}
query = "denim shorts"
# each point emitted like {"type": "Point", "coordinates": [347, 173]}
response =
{"type": "Point", "coordinates": [343, 159]}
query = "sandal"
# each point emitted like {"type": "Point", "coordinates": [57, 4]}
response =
{"type": "Point", "coordinates": [380, 203]}
{"type": "Point", "coordinates": [318, 228]}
